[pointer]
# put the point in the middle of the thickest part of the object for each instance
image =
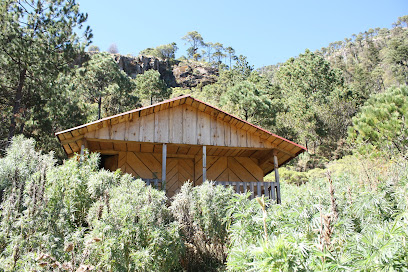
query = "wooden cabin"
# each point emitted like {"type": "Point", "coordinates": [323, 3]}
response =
{"type": "Point", "coordinates": [184, 139]}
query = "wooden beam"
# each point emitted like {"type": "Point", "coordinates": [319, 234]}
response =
{"type": "Point", "coordinates": [266, 158]}
{"type": "Point", "coordinates": [274, 152]}
{"type": "Point", "coordinates": [204, 163]}
{"type": "Point", "coordinates": [71, 140]}
{"type": "Point", "coordinates": [285, 152]}
{"type": "Point", "coordinates": [180, 145]}
{"type": "Point", "coordinates": [276, 165]}
{"type": "Point", "coordinates": [164, 156]}
{"type": "Point", "coordinates": [106, 151]}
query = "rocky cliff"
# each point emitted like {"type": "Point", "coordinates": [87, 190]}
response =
{"type": "Point", "coordinates": [185, 74]}
{"type": "Point", "coordinates": [192, 74]}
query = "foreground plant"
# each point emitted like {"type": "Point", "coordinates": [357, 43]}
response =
{"type": "Point", "coordinates": [202, 213]}
{"type": "Point", "coordinates": [333, 224]}
{"type": "Point", "coordinates": [75, 216]}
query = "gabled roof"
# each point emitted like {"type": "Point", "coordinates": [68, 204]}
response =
{"type": "Point", "coordinates": [281, 144]}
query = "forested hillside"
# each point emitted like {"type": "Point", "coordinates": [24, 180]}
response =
{"type": "Point", "coordinates": [344, 202]}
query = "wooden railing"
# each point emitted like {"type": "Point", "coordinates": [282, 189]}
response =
{"type": "Point", "coordinates": [258, 188]}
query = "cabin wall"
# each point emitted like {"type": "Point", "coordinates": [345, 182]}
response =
{"type": "Point", "coordinates": [149, 166]}
{"type": "Point", "coordinates": [228, 169]}
{"type": "Point", "coordinates": [180, 169]}
{"type": "Point", "coordinates": [141, 165]}
{"type": "Point", "coordinates": [183, 124]}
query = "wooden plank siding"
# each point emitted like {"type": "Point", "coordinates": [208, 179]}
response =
{"type": "Point", "coordinates": [148, 166]}
{"type": "Point", "coordinates": [228, 169]}
{"type": "Point", "coordinates": [140, 165]}
{"type": "Point", "coordinates": [179, 171]}
{"type": "Point", "coordinates": [180, 125]}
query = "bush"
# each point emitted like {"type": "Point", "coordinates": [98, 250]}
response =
{"type": "Point", "coordinates": [22, 186]}
{"type": "Point", "coordinates": [136, 230]}
{"type": "Point", "coordinates": [203, 215]}
{"type": "Point", "coordinates": [75, 215]}
{"type": "Point", "coordinates": [293, 177]}
{"type": "Point", "coordinates": [346, 226]}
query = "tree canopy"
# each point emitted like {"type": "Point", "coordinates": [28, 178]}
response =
{"type": "Point", "coordinates": [38, 41]}
{"type": "Point", "coordinates": [381, 124]}
{"type": "Point", "coordinates": [101, 82]}
{"type": "Point", "coordinates": [165, 51]}
{"type": "Point", "coordinates": [196, 41]}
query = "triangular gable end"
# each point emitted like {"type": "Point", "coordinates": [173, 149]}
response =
{"type": "Point", "coordinates": [181, 120]}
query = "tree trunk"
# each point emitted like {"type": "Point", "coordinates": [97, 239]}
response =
{"type": "Point", "coordinates": [99, 106]}
{"type": "Point", "coordinates": [17, 104]}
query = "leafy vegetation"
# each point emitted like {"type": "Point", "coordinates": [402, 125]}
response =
{"type": "Point", "coordinates": [151, 88]}
{"type": "Point", "coordinates": [62, 217]}
{"type": "Point", "coordinates": [74, 214]}
{"type": "Point", "coordinates": [382, 123]}
{"type": "Point", "coordinates": [202, 214]}
{"type": "Point", "coordinates": [102, 83]}
{"type": "Point", "coordinates": [347, 222]}
{"type": "Point", "coordinates": [165, 51]}
{"type": "Point", "coordinates": [37, 42]}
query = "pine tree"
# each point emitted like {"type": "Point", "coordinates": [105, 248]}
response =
{"type": "Point", "coordinates": [37, 42]}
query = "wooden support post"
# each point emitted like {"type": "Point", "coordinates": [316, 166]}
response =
{"type": "Point", "coordinates": [204, 163]}
{"type": "Point", "coordinates": [273, 191]}
{"type": "Point", "coordinates": [276, 167]}
{"type": "Point", "coordinates": [81, 158]}
{"type": "Point", "coordinates": [84, 144]}
{"type": "Point", "coordinates": [164, 157]}
{"type": "Point", "coordinates": [259, 189]}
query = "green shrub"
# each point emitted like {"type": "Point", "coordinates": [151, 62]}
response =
{"type": "Point", "coordinates": [293, 177]}
{"type": "Point", "coordinates": [22, 185]}
{"type": "Point", "coordinates": [136, 230]}
{"type": "Point", "coordinates": [366, 233]}
{"type": "Point", "coordinates": [203, 215]}
{"type": "Point", "coordinates": [76, 215]}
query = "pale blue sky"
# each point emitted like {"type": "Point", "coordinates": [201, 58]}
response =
{"type": "Point", "coordinates": [267, 32]}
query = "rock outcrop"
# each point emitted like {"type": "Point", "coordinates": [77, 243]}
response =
{"type": "Point", "coordinates": [193, 74]}
{"type": "Point", "coordinates": [138, 65]}
{"type": "Point", "coordinates": [185, 74]}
